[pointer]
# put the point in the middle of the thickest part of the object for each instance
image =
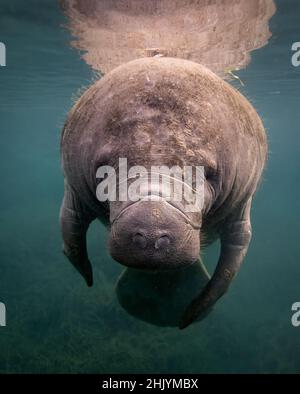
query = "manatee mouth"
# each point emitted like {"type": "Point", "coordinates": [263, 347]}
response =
{"type": "Point", "coordinates": [153, 233]}
{"type": "Point", "coordinates": [158, 198]}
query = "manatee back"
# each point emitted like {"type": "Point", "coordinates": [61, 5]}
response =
{"type": "Point", "coordinates": [165, 111]}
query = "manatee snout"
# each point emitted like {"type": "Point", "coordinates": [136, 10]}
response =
{"type": "Point", "coordinates": [153, 235]}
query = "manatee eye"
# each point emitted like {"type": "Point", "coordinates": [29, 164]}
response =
{"type": "Point", "coordinates": [210, 174]}
{"type": "Point", "coordinates": [139, 240]}
{"type": "Point", "coordinates": [162, 242]}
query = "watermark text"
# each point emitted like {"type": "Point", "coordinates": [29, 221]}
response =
{"type": "Point", "coordinates": [2, 315]}
{"type": "Point", "coordinates": [179, 184]}
{"type": "Point", "coordinates": [2, 55]}
{"type": "Point", "coordinates": [296, 56]}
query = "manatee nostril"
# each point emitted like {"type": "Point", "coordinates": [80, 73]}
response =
{"type": "Point", "coordinates": [162, 242]}
{"type": "Point", "coordinates": [139, 240]}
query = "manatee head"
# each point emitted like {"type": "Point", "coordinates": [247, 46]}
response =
{"type": "Point", "coordinates": [153, 234]}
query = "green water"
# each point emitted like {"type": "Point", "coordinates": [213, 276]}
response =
{"type": "Point", "coordinates": [54, 322]}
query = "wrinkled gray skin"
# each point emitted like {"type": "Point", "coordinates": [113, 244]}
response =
{"type": "Point", "coordinates": [163, 111]}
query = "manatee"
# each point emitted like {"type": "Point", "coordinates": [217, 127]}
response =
{"type": "Point", "coordinates": [164, 112]}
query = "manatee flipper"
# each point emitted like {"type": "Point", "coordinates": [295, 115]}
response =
{"type": "Point", "coordinates": [75, 219]}
{"type": "Point", "coordinates": [235, 237]}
